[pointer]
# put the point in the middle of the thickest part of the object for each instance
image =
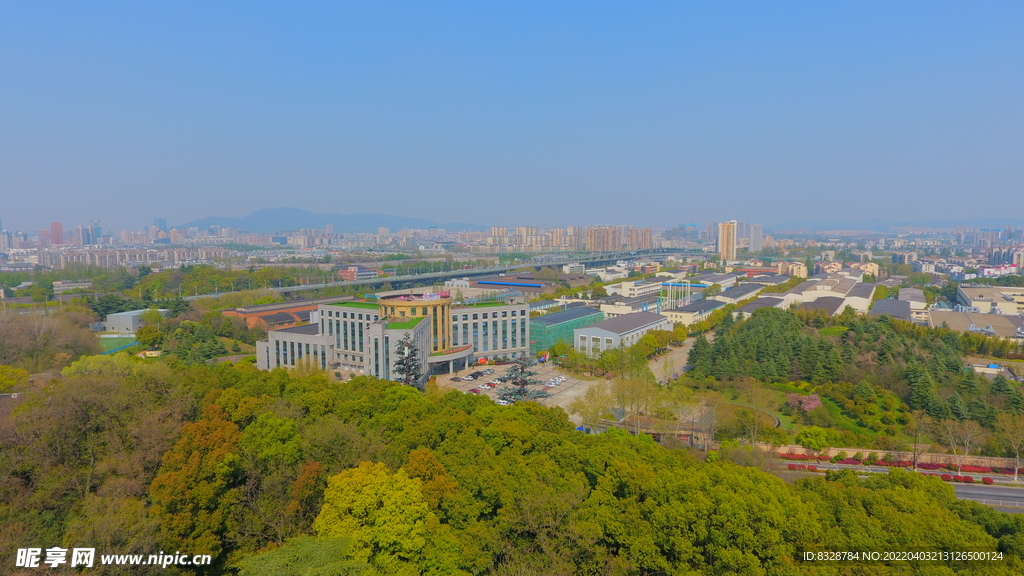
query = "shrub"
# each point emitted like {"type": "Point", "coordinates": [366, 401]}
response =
{"type": "Point", "coordinates": [791, 466]}
{"type": "Point", "coordinates": [812, 467]}
{"type": "Point", "coordinates": [871, 459]}
{"type": "Point", "coordinates": [981, 469]}
{"type": "Point", "coordinates": [858, 456]}
{"type": "Point", "coordinates": [987, 480]}
{"type": "Point", "coordinates": [967, 479]}
{"type": "Point", "coordinates": [801, 466]}
{"type": "Point", "coordinates": [888, 458]}
{"type": "Point", "coordinates": [946, 477]}
{"type": "Point", "coordinates": [930, 465]}
{"type": "Point", "coordinates": [958, 478]}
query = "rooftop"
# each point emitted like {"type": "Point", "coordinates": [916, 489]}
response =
{"type": "Point", "coordinates": [831, 304]}
{"type": "Point", "coordinates": [891, 307]}
{"type": "Point", "coordinates": [564, 316]}
{"type": "Point", "coordinates": [628, 322]}
{"type": "Point", "coordinates": [405, 324]}
{"type": "Point", "coordinates": [768, 302]}
{"type": "Point", "coordinates": [352, 304]}
{"type": "Point", "coordinates": [702, 306]}
{"type": "Point", "coordinates": [861, 290]}
{"type": "Point", "coordinates": [912, 295]}
{"type": "Point", "coordinates": [304, 329]}
{"type": "Point", "coordinates": [1002, 325]}
{"type": "Point", "coordinates": [739, 292]}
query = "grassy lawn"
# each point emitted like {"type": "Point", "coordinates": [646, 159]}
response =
{"type": "Point", "coordinates": [109, 344]}
{"type": "Point", "coordinates": [833, 331]}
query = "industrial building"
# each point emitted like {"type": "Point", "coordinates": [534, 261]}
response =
{"type": "Point", "coordinates": [695, 312]}
{"type": "Point", "coordinates": [127, 322]}
{"type": "Point", "coordinates": [618, 332]}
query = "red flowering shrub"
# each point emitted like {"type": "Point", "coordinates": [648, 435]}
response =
{"type": "Point", "coordinates": [982, 469]}
{"type": "Point", "coordinates": [958, 478]}
{"type": "Point", "coordinates": [849, 461]}
{"type": "Point", "coordinates": [812, 467]}
{"type": "Point", "coordinates": [801, 466]}
{"type": "Point", "coordinates": [930, 466]}
{"type": "Point", "coordinates": [798, 456]}
{"type": "Point", "coordinates": [967, 479]}
{"type": "Point", "coordinates": [946, 477]}
{"type": "Point", "coordinates": [791, 466]}
{"type": "Point", "coordinates": [988, 480]}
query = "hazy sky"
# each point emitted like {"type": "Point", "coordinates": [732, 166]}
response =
{"type": "Point", "coordinates": [544, 113]}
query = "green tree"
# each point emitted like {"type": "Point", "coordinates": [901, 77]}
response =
{"type": "Point", "coordinates": [407, 365]}
{"type": "Point", "coordinates": [815, 438]}
{"type": "Point", "coordinates": [383, 513]}
{"type": "Point", "coordinates": [197, 486]}
{"type": "Point", "coordinates": [1010, 432]}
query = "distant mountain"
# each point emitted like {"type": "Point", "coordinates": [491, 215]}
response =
{"type": "Point", "coordinates": [882, 225]}
{"type": "Point", "coordinates": [271, 220]}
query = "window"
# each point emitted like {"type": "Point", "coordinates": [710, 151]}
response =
{"type": "Point", "coordinates": [344, 314]}
{"type": "Point", "coordinates": [504, 313]}
{"type": "Point", "coordinates": [465, 317]}
{"type": "Point", "coordinates": [277, 351]}
{"type": "Point", "coordinates": [608, 342]}
{"type": "Point", "coordinates": [475, 317]}
{"type": "Point", "coordinates": [360, 316]}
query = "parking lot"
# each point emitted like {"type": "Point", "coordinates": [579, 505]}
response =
{"type": "Point", "coordinates": [561, 395]}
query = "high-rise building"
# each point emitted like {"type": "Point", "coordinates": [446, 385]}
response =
{"type": "Point", "coordinates": [727, 241]}
{"type": "Point", "coordinates": [603, 238]}
{"type": "Point", "coordinates": [56, 234]}
{"type": "Point", "coordinates": [161, 223]}
{"type": "Point", "coordinates": [752, 233]}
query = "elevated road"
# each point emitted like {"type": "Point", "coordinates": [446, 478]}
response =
{"type": "Point", "coordinates": [593, 259]}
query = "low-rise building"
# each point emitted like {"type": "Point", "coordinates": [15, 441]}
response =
{"type": "Point", "coordinates": [998, 325]}
{"type": "Point", "coordinates": [695, 312]}
{"type": "Point", "coordinates": [738, 293]}
{"type": "Point", "coordinates": [892, 307]}
{"type": "Point", "coordinates": [547, 330]}
{"type": "Point", "coordinates": [353, 273]}
{"type": "Point", "coordinates": [986, 299]}
{"type": "Point", "coordinates": [127, 322]}
{"type": "Point", "coordinates": [618, 332]}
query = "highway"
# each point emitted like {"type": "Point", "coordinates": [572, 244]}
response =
{"type": "Point", "coordinates": [396, 281]}
{"type": "Point", "coordinates": [1000, 496]}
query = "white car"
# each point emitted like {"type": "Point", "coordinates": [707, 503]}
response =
{"type": "Point", "coordinates": [501, 402]}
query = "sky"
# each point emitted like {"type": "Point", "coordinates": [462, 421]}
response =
{"type": "Point", "coordinates": [518, 113]}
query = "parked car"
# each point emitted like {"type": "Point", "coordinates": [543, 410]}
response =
{"type": "Point", "coordinates": [468, 378]}
{"type": "Point", "coordinates": [489, 371]}
{"type": "Point", "coordinates": [501, 402]}
{"type": "Point", "coordinates": [474, 390]}
{"type": "Point", "coordinates": [456, 379]}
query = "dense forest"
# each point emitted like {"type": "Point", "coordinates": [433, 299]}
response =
{"type": "Point", "coordinates": [873, 372]}
{"type": "Point", "coordinates": [294, 473]}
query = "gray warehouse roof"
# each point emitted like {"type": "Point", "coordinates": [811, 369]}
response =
{"type": "Point", "coordinates": [564, 316]}
{"type": "Point", "coordinates": [830, 304]}
{"type": "Point", "coordinates": [702, 306]}
{"type": "Point", "coordinates": [738, 292]}
{"type": "Point", "coordinates": [767, 302]}
{"type": "Point", "coordinates": [304, 329]}
{"type": "Point", "coordinates": [861, 290]}
{"type": "Point", "coordinates": [891, 307]}
{"type": "Point", "coordinates": [628, 322]}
